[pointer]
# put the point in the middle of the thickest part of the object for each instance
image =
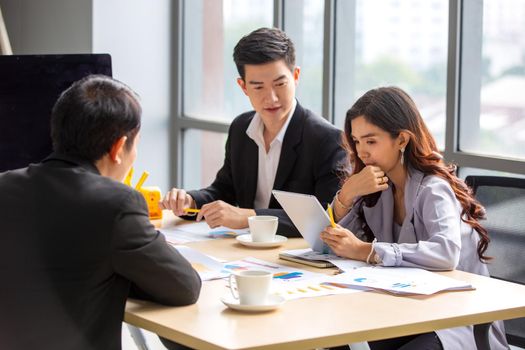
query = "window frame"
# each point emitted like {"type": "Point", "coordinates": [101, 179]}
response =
{"type": "Point", "coordinates": [461, 107]}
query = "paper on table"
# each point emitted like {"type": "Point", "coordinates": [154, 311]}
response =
{"type": "Point", "coordinates": [291, 283]}
{"type": "Point", "coordinates": [207, 267]}
{"type": "Point", "coordinates": [400, 280]}
{"type": "Point", "coordinates": [282, 273]}
{"type": "Point", "coordinates": [198, 231]}
{"type": "Point", "coordinates": [313, 287]}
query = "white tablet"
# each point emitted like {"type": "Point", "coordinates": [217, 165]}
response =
{"type": "Point", "coordinates": [307, 214]}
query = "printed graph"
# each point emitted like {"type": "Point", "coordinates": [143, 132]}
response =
{"type": "Point", "coordinates": [234, 267]}
{"type": "Point", "coordinates": [287, 275]}
{"type": "Point", "coordinates": [312, 288]}
{"type": "Point", "coordinates": [201, 268]}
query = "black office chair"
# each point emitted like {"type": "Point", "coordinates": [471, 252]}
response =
{"type": "Point", "coordinates": [504, 201]}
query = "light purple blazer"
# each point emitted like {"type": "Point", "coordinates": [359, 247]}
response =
{"type": "Point", "coordinates": [432, 237]}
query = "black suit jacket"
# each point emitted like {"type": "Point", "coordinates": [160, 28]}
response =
{"type": "Point", "coordinates": [72, 244]}
{"type": "Point", "coordinates": [312, 161]}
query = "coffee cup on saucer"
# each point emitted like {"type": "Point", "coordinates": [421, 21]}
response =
{"type": "Point", "coordinates": [250, 287]}
{"type": "Point", "coordinates": [263, 227]}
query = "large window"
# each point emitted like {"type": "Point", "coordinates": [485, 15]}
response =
{"type": "Point", "coordinates": [304, 25]}
{"type": "Point", "coordinates": [493, 110]}
{"type": "Point", "coordinates": [210, 94]}
{"type": "Point", "coordinates": [211, 30]}
{"type": "Point", "coordinates": [393, 42]}
{"type": "Point", "coordinates": [463, 62]}
{"type": "Point", "coordinates": [203, 154]}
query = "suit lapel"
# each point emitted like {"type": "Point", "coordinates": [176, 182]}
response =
{"type": "Point", "coordinates": [412, 187]}
{"type": "Point", "coordinates": [380, 217]}
{"type": "Point", "coordinates": [250, 166]}
{"type": "Point", "coordinates": [288, 153]}
{"type": "Point", "coordinates": [251, 163]}
{"type": "Point", "coordinates": [408, 233]}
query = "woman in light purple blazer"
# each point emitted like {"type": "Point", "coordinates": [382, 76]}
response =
{"type": "Point", "coordinates": [403, 206]}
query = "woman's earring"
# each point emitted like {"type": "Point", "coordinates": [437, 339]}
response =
{"type": "Point", "coordinates": [402, 155]}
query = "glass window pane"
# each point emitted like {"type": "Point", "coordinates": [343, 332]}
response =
{"type": "Point", "coordinates": [493, 121]}
{"type": "Point", "coordinates": [393, 42]}
{"type": "Point", "coordinates": [203, 156]}
{"type": "Point", "coordinates": [211, 30]}
{"type": "Point", "coordinates": [304, 24]}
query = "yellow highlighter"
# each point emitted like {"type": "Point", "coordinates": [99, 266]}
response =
{"type": "Point", "coordinates": [127, 179]}
{"type": "Point", "coordinates": [152, 195]}
{"type": "Point", "coordinates": [331, 215]}
{"type": "Point", "coordinates": [191, 210]}
{"type": "Point", "coordinates": [141, 180]}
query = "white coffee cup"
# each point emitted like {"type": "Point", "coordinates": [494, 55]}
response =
{"type": "Point", "coordinates": [263, 227]}
{"type": "Point", "coordinates": [251, 287]}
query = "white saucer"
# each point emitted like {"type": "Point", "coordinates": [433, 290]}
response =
{"type": "Point", "coordinates": [273, 302]}
{"type": "Point", "coordinates": [247, 241]}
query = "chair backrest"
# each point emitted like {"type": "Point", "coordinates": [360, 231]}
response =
{"type": "Point", "coordinates": [504, 202]}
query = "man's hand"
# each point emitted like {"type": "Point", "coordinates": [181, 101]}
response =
{"type": "Point", "coordinates": [345, 244]}
{"type": "Point", "coordinates": [220, 213]}
{"type": "Point", "coordinates": [177, 200]}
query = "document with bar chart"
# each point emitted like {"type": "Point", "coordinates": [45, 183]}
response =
{"type": "Point", "coordinates": [291, 283]}
{"type": "Point", "coordinates": [399, 280]}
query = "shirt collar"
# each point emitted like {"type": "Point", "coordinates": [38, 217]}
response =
{"type": "Point", "coordinates": [256, 127]}
{"type": "Point", "coordinates": [73, 160]}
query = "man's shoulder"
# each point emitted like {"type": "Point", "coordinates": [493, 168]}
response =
{"type": "Point", "coordinates": [89, 186]}
{"type": "Point", "coordinates": [112, 190]}
{"type": "Point", "coordinates": [315, 125]}
{"type": "Point", "coordinates": [10, 175]}
{"type": "Point", "coordinates": [12, 182]}
{"type": "Point", "coordinates": [243, 120]}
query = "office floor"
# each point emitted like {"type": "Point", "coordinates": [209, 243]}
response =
{"type": "Point", "coordinates": [152, 340]}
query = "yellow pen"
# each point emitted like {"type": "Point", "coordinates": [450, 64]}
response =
{"type": "Point", "coordinates": [331, 215]}
{"type": "Point", "coordinates": [127, 180]}
{"type": "Point", "coordinates": [191, 210]}
{"type": "Point", "coordinates": [141, 180]}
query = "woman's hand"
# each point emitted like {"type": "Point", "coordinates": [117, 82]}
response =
{"type": "Point", "coordinates": [345, 244]}
{"type": "Point", "coordinates": [369, 180]}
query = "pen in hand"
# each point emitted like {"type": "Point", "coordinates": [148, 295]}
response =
{"type": "Point", "coordinates": [331, 215]}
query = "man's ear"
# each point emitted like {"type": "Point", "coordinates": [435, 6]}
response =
{"type": "Point", "coordinates": [403, 139]}
{"type": "Point", "coordinates": [115, 153]}
{"type": "Point", "coordinates": [296, 74]}
{"type": "Point", "coordinates": [242, 84]}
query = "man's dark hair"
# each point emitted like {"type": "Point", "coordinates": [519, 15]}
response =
{"type": "Point", "coordinates": [264, 45]}
{"type": "Point", "coordinates": [92, 114]}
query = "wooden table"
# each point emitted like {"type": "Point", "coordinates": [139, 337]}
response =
{"type": "Point", "coordinates": [323, 321]}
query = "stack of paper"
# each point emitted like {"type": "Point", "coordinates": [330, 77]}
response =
{"type": "Point", "coordinates": [313, 258]}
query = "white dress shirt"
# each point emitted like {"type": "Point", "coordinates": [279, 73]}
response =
{"type": "Point", "coordinates": [268, 162]}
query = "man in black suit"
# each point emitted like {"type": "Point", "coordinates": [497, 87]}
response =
{"type": "Point", "coordinates": [74, 240]}
{"type": "Point", "coordinates": [280, 145]}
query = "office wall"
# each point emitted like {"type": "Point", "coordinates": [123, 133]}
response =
{"type": "Point", "coordinates": [50, 26]}
{"type": "Point", "coordinates": [136, 34]}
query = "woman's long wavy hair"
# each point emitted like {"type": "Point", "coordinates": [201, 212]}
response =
{"type": "Point", "coordinates": [392, 110]}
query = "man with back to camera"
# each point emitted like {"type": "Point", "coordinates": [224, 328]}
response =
{"type": "Point", "coordinates": [74, 240]}
{"type": "Point", "coordinates": [280, 145]}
